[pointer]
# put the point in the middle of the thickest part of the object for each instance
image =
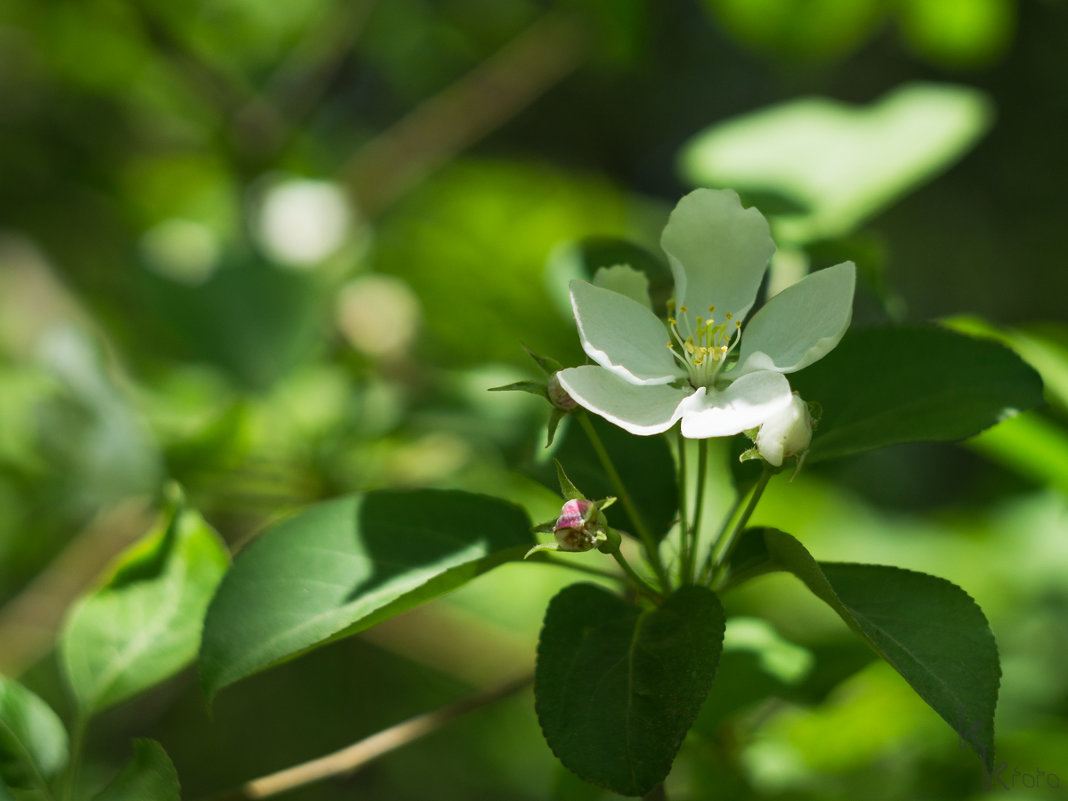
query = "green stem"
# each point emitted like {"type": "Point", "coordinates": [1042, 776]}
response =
{"type": "Point", "coordinates": [709, 565]}
{"type": "Point", "coordinates": [685, 553]}
{"type": "Point", "coordinates": [639, 583]}
{"type": "Point", "coordinates": [732, 538]}
{"type": "Point", "coordinates": [548, 559]}
{"type": "Point", "coordinates": [74, 763]}
{"type": "Point", "coordinates": [646, 536]}
{"type": "Point", "coordinates": [698, 509]}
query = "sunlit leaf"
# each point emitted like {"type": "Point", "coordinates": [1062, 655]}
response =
{"type": "Point", "coordinates": [617, 686]}
{"type": "Point", "coordinates": [33, 742]}
{"type": "Point", "coordinates": [1031, 445]}
{"type": "Point", "coordinates": [143, 625]}
{"type": "Point", "coordinates": [841, 164]}
{"type": "Point", "coordinates": [925, 627]}
{"type": "Point", "coordinates": [341, 566]}
{"type": "Point", "coordinates": [885, 386]}
{"type": "Point", "coordinates": [493, 223]}
{"type": "Point", "coordinates": [958, 33]}
{"type": "Point", "coordinates": [149, 776]}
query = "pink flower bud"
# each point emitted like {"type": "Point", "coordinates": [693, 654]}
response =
{"type": "Point", "coordinates": [558, 396]}
{"type": "Point", "coordinates": [572, 530]}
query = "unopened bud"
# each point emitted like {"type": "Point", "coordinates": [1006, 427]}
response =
{"type": "Point", "coordinates": [786, 434]}
{"type": "Point", "coordinates": [558, 396]}
{"type": "Point", "coordinates": [580, 527]}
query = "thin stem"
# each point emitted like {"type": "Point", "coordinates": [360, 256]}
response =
{"type": "Point", "coordinates": [732, 538]}
{"type": "Point", "coordinates": [709, 566]}
{"type": "Point", "coordinates": [698, 508]}
{"type": "Point", "coordinates": [646, 536]}
{"type": "Point", "coordinates": [74, 762]}
{"type": "Point", "coordinates": [548, 559]}
{"type": "Point", "coordinates": [685, 551]}
{"type": "Point", "coordinates": [639, 583]}
{"type": "Point", "coordinates": [360, 753]}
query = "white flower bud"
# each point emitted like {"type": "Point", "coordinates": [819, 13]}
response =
{"type": "Point", "coordinates": [786, 434]}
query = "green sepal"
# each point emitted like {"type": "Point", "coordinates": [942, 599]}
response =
{"type": "Point", "coordinates": [548, 364]}
{"type": "Point", "coordinates": [533, 387]}
{"type": "Point", "coordinates": [554, 422]}
{"type": "Point", "coordinates": [567, 487]}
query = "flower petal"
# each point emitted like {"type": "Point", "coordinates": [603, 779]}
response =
{"type": "Point", "coordinates": [625, 280]}
{"type": "Point", "coordinates": [639, 410]}
{"type": "Point", "coordinates": [801, 324]}
{"type": "Point", "coordinates": [746, 403]}
{"type": "Point", "coordinates": [718, 252]}
{"type": "Point", "coordinates": [622, 335]}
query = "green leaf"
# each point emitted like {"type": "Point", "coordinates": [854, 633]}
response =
{"type": "Point", "coordinates": [342, 566]}
{"type": "Point", "coordinates": [149, 776]}
{"type": "Point", "coordinates": [884, 386]}
{"type": "Point", "coordinates": [928, 629]}
{"type": "Point", "coordinates": [143, 625]}
{"type": "Point", "coordinates": [840, 164]}
{"type": "Point", "coordinates": [33, 742]}
{"type": "Point", "coordinates": [645, 466]}
{"type": "Point", "coordinates": [617, 686]}
{"type": "Point", "coordinates": [1032, 446]}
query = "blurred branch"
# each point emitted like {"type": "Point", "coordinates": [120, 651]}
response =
{"type": "Point", "coordinates": [28, 622]}
{"type": "Point", "coordinates": [360, 753]}
{"type": "Point", "coordinates": [463, 113]}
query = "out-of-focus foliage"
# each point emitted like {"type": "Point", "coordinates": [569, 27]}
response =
{"type": "Point", "coordinates": [278, 252]}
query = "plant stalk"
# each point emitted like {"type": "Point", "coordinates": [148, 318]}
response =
{"type": "Point", "coordinates": [651, 548]}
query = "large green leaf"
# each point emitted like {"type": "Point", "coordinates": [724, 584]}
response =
{"type": "Point", "coordinates": [927, 628]}
{"type": "Point", "coordinates": [33, 742]}
{"type": "Point", "coordinates": [884, 386]}
{"type": "Point", "coordinates": [645, 466]}
{"type": "Point", "coordinates": [340, 567]}
{"type": "Point", "coordinates": [143, 624]}
{"type": "Point", "coordinates": [617, 686]}
{"type": "Point", "coordinates": [149, 776]}
{"type": "Point", "coordinates": [838, 163]}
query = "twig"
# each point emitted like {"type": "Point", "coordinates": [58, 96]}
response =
{"type": "Point", "coordinates": [463, 113]}
{"type": "Point", "coordinates": [28, 622]}
{"type": "Point", "coordinates": [360, 753]}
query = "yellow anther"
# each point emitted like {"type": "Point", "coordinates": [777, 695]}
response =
{"type": "Point", "coordinates": [737, 323]}
{"type": "Point", "coordinates": [672, 320]}
{"type": "Point", "coordinates": [729, 315]}
{"type": "Point", "coordinates": [683, 309]}
{"type": "Point", "coordinates": [670, 345]}
{"type": "Point", "coordinates": [712, 309]}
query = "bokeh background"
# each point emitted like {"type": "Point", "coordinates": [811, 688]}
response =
{"type": "Point", "coordinates": [278, 252]}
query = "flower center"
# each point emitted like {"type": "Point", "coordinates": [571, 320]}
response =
{"type": "Point", "coordinates": [703, 348]}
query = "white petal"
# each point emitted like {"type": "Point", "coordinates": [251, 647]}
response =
{"type": "Point", "coordinates": [625, 280]}
{"type": "Point", "coordinates": [718, 252]}
{"type": "Point", "coordinates": [746, 403]}
{"type": "Point", "coordinates": [801, 324]}
{"type": "Point", "coordinates": [637, 409]}
{"type": "Point", "coordinates": [622, 336]}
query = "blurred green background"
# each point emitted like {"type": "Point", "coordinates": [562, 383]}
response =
{"type": "Point", "coordinates": [279, 251]}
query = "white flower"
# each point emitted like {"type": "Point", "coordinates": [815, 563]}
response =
{"type": "Point", "coordinates": [785, 434]}
{"type": "Point", "coordinates": [648, 377]}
